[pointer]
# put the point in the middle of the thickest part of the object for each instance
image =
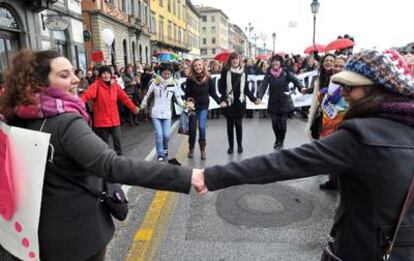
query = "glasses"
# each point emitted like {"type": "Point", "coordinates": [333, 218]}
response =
{"type": "Point", "coordinates": [347, 88]}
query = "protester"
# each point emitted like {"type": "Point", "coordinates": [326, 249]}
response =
{"type": "Point", "coordinates": [280, 103]}
{"type": "Point", "coordinates": [199, 88]}
{"type": "Point", "coordinates": [372, 151]}
{"type": "Point", "coordinates": [314, 124]}
{"type": "Point", "coordinates": [83, 83]}
{"type": "Point", "coordinates": [105, 93]}
{"type": "Point", "coordinates": [74, 224]}
{"type": "Point", "coordinates": [90, 77]}
{"type": "Point", "coordinates": [131, 80]}
{"type": "Point", "coordinates": [233, 88]}
{"type": "Point", "coordinates": [163, 89]}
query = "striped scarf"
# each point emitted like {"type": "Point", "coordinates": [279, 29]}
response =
{"type": "Point", "coordinates": [52, 101]}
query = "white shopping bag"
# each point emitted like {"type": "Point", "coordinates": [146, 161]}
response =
{"type": "Point", "coordinates": [27, 157]}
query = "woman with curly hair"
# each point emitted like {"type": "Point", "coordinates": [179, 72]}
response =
{"type": "Point", "coordinates": [41, 92]}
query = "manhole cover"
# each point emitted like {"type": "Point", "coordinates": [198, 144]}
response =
{"type": "Point", "coordinates": [272, 205]}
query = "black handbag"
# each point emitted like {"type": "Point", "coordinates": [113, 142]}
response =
{"type": "Point", "coordinates": [115, 201]}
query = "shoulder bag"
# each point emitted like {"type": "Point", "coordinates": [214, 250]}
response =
{"type": "Point", "coordinates": [112, 195]}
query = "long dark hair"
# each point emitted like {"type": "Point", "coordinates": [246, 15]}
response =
{"type": "Point", "coordinates": [365, 107]}
{"type": "Point", "coordinates": [324, 75]}
{"type": "Point", "coordinates": [231, 57]}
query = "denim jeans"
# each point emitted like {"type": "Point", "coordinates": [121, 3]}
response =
{"type": "Point", "coordinates": [201, 118]}
{"type": "Point", "coordinates": [162, 135]}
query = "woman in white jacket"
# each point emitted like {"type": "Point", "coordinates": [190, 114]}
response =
{"type": "Point", "coordinates": [164, 90]}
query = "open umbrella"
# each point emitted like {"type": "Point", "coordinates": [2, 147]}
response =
{"type": "Point", "coordinates": [262, 57]}
{"type": "Point", "coordinates": [339, 44]}
{"type": "Point", "coordinates": [320, 48]}
{"type": "Point", "coordinates": [222, 57]}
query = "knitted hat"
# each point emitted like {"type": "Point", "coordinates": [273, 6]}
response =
{"type": "Point", "coordinates": [385, 69]}
{"type": "Point", "coordinates": [104, 68]}
{"type": "Point", "coordinates": [277, 57]}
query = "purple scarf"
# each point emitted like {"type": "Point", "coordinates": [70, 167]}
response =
{"type": "Point", "coordinates": [399, 109]}
{"type": "Point", "coordinates": [52, 101]}
{"type": "Point", "coordinates": [276, 73]}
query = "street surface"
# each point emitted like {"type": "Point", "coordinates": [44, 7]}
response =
{"type": "Point", "coordinates": [287, 220]}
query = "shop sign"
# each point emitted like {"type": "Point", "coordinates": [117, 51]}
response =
{"type": "Point", "coordinates": [56, 23]}
{"type": "Point", "coordinates": [7, 19]}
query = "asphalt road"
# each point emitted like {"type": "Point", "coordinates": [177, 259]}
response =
{"type": "Point", "coordinates": [287, 220]}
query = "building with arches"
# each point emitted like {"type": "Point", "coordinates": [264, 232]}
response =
{"type": "Point", "coordinates": [129, 22]}
{"type": "Point", "coordinates": [41, 25]}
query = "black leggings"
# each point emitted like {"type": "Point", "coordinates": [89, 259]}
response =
{"type": "Point", "coordinates": [231, 124]}
{"type": "Point", "coordinates": [279, 125]}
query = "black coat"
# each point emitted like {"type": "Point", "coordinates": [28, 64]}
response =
{"type": "Point", "coordinates": [374, 161]}
{"type": "Point", "coordinates": [279, 92]}
{"type": "Point", "coordinates": [237, 109]}
{"type": "Point", "coordinates": [201, 93]}
{"type": "Point", "coordinates": [74, 225]}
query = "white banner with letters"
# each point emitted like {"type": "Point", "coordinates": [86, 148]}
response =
{"type": "Point", "coordinates": [255, 81]}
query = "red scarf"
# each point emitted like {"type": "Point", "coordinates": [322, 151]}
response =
{"type": "Point", "coordinates": [52, 101]}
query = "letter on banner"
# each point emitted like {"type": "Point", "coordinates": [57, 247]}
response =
{"type": "Point", "coordinates": [26, 153]}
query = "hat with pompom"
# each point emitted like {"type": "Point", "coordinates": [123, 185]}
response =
{"type": "Point", "coordinates": [385, 69]}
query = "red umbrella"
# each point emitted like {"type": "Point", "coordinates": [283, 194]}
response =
{"type": "Point", "coordinates": [339, 44]}
{"type": "Point", "coordinates": [262, 57]}
{"type": "Point", "coordinates": [320, 48]}
{"type": "Point", "coordinates": [222, 57]}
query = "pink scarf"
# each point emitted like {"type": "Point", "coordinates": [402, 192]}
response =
{"type": "Point", "coordinates": [276, 73]}
{"type": "Point", "coordinates": [51, 102]}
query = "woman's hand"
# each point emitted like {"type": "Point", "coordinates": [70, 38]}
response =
{"type": "Point", "coordinates": [197, 180]}
{"type": "Point", "coordinates": [257, 101]}
{"type": "Point", "coordinates": [223, 104]}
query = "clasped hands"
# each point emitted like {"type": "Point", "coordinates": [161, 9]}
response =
{"type": "Point", "coordinates": [197, 181]}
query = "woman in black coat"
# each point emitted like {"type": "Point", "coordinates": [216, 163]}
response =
{"type": "Point", "coordinates": [233, 88]}
{"type": "Point", "coordinates": [280, 103]}
{"type": "Point", "coordinates": [74, 224]}
{"type": "Point", "coordinates": [372, 151]}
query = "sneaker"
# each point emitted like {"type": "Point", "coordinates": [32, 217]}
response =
{"type": "Point", "coordinates": [166, 153]}
{"type": "Point", "coordinates": [160, 159]}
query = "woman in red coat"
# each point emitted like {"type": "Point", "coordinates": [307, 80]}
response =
{"type": "Point", "coordinates": [105, 94]}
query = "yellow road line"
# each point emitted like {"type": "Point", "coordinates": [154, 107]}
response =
{"type": "Point", "coordinates": [147, 238]}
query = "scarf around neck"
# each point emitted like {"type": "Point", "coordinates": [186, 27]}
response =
{"type": "Point", "coordinates": [276, 73]}
{"type": "Point", "coordinates": [229, 89]}
{"type": "Point", "coordinates": [52, 101]}
{"type": "Point", "coordinates": [400, 109]}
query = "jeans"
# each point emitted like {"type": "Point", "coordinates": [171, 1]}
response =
{"type": "Point", "coordinates": [201, 118]}
{"type": "Point", "coordinates": [162, 135]}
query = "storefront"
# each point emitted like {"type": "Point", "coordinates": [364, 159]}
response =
{"type": "Point", "coordinates": [9, 36]}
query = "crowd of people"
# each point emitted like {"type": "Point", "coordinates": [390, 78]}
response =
{"type": "Point", "coordinates": [363, 106]}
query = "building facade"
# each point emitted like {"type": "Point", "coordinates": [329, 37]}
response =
{"type": "Point", "coordinates": [169, 26]}
{"type": "Point", "coordinates": [129, 22]}
{"type": "Point", "coordinates": [193, 31]}
{"type": "Point", "coordinates": [42, 25]}
{"type": "Point", "coordinates": [214, 32]}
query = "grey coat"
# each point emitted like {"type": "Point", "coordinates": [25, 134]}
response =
{"type": "Point", "coordinates": [74, 225]}
{"type": "Point", "coordinates": [374, 158]}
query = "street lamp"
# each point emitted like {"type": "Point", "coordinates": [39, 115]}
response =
{"type": "Point", "coordinates": [315, 8]}
{"type": "Point", "coordinates": [274, 39]}
{"type": "Point", "coordinates": [249, 30]}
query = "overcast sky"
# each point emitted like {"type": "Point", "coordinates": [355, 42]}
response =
{"type": "Point", "coordinates": [373, 23]}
